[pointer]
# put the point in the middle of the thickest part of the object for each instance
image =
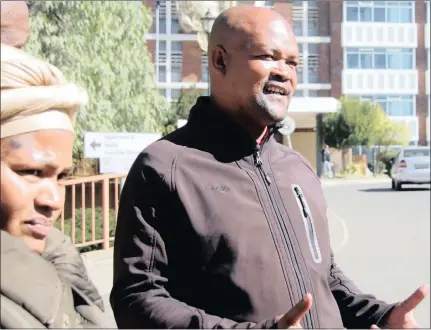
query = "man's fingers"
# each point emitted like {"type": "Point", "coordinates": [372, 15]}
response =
{"type": "Point", "coordinates": [295, 315]}
{"type": "Point", "coordinates": [415, 299]}
{"type": "Point", "coordinates": [374, 327]}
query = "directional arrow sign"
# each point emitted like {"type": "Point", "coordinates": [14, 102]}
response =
{"type": "Point", "coordinates": [117, 145]}
{"type": "Point", "coordinates": [94, 145]}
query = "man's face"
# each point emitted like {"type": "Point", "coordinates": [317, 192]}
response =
{"type": "Point", "coordinates": [263, 73]}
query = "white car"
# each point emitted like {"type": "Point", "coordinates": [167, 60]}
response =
{"type": "Point", "coordinates": [411, 166]}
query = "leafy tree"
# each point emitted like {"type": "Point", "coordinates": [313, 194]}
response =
{"type": "Point", "coordinates": [360, 123]}
{"type": "Point", "coordinates": [101, 46]}
{"type": "Point", "coordinates": [181, 108]}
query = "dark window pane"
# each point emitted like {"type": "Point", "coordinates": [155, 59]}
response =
{"type": "Point", "coordinates": [352, 61]}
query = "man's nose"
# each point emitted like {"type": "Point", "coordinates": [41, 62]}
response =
{"type": "Point", "coordinates": [280, 71]}
{"type": "Point", "coordinates": [50, 196]}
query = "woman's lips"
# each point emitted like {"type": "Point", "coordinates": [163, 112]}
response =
{"type": "Point", "coordinates": [39, 227]}
{"type": "Point", "coordinates": [38, 230]}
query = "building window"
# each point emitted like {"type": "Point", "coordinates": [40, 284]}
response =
{"type": "Point", "coordinates": [379, 58]}
{"type": "Point", "coordinates": [379, 11]}
{"type": "Point", "coordinates": [176, 61]}
{"type": "Point", "coordinates": [395, 105]}
{"type": "Point", "coordinates": [204, 67]}
{"type": "Point", "coordinates": [175, 94]}
{"type": "Point", "coordinates": [313, 63]}
{"type": "Point", "coordinates": [162, 91]}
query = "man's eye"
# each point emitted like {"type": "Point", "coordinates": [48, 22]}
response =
{"type": "Point", "coordinates": [37, 173]}
{"type": "Point", "coordinates": [266, 57]}
{"type": "Point", "coordinates": [293, 63]}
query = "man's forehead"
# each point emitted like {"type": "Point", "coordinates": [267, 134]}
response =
{"type": "Point", "coordinates": [274, 35]}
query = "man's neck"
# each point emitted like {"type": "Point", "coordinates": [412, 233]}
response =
{"type": "Point", "coordinates": [257, 132]}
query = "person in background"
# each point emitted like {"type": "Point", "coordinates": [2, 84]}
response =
{"type": "Point", "coordinates": [44, 283]}
{"type": "Point", "coordinates": [325, 155]}
{"type": "Point", "coordinates": [220, 226]}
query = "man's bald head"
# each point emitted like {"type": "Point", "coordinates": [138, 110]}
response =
{"type": "Point", "coordinates": [14, 23]}
{"type": "Point", "coordinates": [240, 24]}
{"type": "Point", "coordinates": [252, 58]}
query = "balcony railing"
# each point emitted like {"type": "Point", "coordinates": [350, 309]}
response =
{"type": "Point", "coordinates": [412, 124]}
{"type": "Point", "coordinates": [90, 212]}
{"type": "Point", "coordinates": [357, 81]}
{"type": "Point", "coordinates": [363, 34]}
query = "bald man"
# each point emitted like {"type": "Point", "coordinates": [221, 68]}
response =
{"type": "Point", "coordinates": [220, 226]}
{"type": "Point", "coordinates": [14, 23]}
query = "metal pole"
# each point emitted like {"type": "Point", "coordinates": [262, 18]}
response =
{"type": "Point", "coordinates": [157, 40]}
{"type": "Point", "coordinates": [289, 141]}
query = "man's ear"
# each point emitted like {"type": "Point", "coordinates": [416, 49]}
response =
{"type": "Point", "coordinates": [218, 59]}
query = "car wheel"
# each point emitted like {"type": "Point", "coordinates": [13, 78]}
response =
{"type": "Point", "coordinates": [398, 186]}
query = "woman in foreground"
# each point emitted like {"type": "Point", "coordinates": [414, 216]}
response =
{"type": "Point", "coordinates": [44, 283]}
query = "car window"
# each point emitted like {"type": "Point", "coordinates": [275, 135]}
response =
{"type": "Point", "coordinates": [416, 153]}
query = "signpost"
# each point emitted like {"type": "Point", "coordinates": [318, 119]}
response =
{"type": "Point", "coordinates": [116, 151]}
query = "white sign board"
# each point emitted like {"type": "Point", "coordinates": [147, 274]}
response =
{"type": "Point", "coordinates": [116, 165]}
{"type": "Point", "coordinates": [116, 151]}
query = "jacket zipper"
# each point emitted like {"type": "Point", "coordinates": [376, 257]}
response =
{"type": "Point", "coordinates": [267, 183]}
{"type": "Point", "coordinates": [309, 224]}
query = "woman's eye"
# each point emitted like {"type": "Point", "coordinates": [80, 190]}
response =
{"type": "Point", "coordinates": [37, 173]}
{"type": "Point", "coordinates": [63, 176]}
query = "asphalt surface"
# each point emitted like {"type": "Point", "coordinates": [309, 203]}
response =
{"type": "Point", "coordinates": [381, 239]}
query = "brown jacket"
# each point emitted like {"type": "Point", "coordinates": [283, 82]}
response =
{"type": "Point", "coordinates": [48, 291]}
{"type": "Point", "coordinates": [214, 232]}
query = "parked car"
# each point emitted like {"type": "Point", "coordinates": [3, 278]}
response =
{"type": "Point", "coordinates": [411, 166]}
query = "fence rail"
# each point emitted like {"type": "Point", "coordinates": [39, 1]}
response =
{"type": "Point", "coordinates": [91, 205]}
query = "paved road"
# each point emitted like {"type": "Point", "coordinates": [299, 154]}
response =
{"type": "Point", "coordinates": [381, 240]}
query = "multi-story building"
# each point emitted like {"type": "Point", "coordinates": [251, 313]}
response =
{"type": "Point", "coordinates": [370, 49]}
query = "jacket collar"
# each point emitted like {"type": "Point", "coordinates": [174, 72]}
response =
{"type": "Point", "coordinates": [224, 132]}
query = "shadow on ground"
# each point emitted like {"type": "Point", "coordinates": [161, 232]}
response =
{"type": "Point", "coordinates": [390, 190]}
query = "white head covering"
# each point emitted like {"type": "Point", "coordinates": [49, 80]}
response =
{"type": "Point", "coordinates": [35, 95]}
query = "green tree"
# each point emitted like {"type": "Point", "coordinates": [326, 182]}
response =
{"type": "Point", "coordinates": [101, 46]}
{"type": "Point", "coordinates": [180, 109]}
{"type": "Point", "coordinates": [360, 123]}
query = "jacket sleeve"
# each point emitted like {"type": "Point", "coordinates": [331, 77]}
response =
{"type": "Point", "coordinates": [140, 298]}
{"type": "Point", "coordinates": [358, 310]}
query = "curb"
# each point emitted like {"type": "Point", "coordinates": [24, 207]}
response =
{"type": "Point", "coordinates": [337, 182]}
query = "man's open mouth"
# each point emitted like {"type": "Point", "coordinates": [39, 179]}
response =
{"type": "Point", "coordinates": [271, 89]}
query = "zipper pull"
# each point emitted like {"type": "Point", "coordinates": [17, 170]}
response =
{"type": "Point", "coordinates": [298, 193]}
{"type": "Point", "coordinates": [258, 163]}
{"type": "Point", "coordinates": [257, 160]}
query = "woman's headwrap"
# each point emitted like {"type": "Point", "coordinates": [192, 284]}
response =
{"type": "Point", "coordinates": [35, 95]}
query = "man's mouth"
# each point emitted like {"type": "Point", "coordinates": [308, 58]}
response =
{"type": "Point", "coordinates": [274, 89]}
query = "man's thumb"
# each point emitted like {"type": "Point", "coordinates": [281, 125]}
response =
{"type": "Point", "coordinates": [296, 313]}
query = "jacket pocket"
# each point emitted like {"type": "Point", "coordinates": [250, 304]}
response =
{"type": "Point", "coordinates": [307, 218]}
